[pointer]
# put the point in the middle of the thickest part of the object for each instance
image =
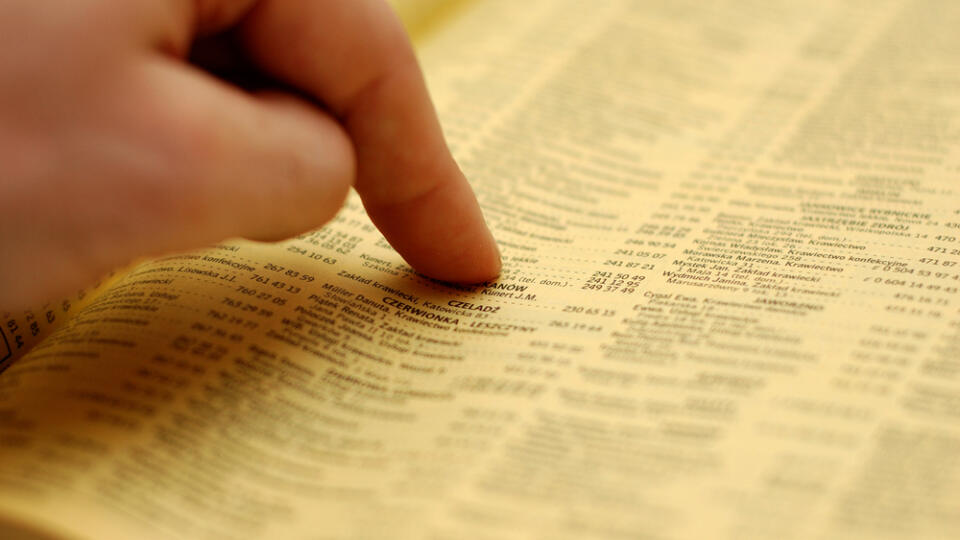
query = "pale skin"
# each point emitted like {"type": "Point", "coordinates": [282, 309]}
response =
{"type": "Point", "coordinates": [113, 146]}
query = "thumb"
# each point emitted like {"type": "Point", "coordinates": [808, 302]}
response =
{"type": "Point", "coordinates": [266, 166]}
{"type": "Point", "coordinates": [171, 159]}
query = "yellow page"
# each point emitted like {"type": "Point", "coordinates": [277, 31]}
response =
{"type": "Point", "coordinates": [422, 17]}
{"type": "Point", "coordinates": [20, 331]}
{"type": "Point", "coordinates": [728, 310]}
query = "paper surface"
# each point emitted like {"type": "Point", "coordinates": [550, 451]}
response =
{"type": "Point", "coordinates": [731, 237]}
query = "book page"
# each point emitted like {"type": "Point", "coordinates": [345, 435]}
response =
{"type": "Point", "coordinates": [20, 331]}
{"type": "Point", "coordinates": [422, 17]}
{"type": "Point", "coordinates": [731, 237]}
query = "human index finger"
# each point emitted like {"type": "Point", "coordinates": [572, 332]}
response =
{"type": "Point", "coordinates": [354, 56]}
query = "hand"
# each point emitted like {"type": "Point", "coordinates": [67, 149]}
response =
{"type": "Point", "coordinates": [113, 145]}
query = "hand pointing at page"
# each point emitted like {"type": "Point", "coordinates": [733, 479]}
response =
{"type": "Point", "coordinates": [114, 146]}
